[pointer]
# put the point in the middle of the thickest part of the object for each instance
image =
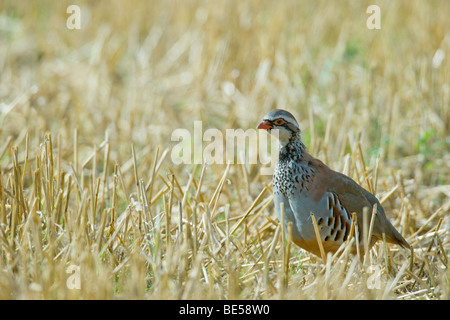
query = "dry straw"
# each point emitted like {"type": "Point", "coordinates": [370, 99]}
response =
{"type": "Point", "coordinates": [89, 194]}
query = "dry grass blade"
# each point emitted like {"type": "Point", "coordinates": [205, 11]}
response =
{"type": "Point", "coordinates": [79, 206]}
{"type": "Point", "coordinates": [319, 240]}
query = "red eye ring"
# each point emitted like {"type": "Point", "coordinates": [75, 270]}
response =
{"type": "Point", "coordinates": [279, 122]}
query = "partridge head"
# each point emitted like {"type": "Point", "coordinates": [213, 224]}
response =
{"type": "Point", "coordinates": [284, 122]}
{"type": "Point", "coordinates": [306, 186]}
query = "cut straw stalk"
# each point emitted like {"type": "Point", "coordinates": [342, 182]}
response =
{"type": "Point", "coordinates": [249, 210]}
{"type": "Point", "coordinates": [218, 191]}
{"type": "Point", "coordinates": [176, 182]}
{"type": "Point", "coordinates": [169, 207]}
{"type": "Point", "coordinates": [287, 255]}
{"type": "Point", "coordinates": [283, 246]}
{"type": "Point", "coordinates": [267, 282]}
{"type": "Point", "coordinates": [429, 248]}
{"type": "Point", "coordinates": [194, 211]}
{"type": "Point", "coordinates": [319, 240]}
{"type": "Point", "coordinates": [368, 231]}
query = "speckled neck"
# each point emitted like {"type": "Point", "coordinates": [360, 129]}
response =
{"type": "Point", "coordinates": [292, 174]}
{"type": "Point", "coordinates": [293, 149]}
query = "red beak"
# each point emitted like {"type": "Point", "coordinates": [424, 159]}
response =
{"type": "Point", "coordinates": [264, 125]}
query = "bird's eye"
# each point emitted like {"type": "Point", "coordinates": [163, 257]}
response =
{"type": "Point", "coordinates": [279, 122]}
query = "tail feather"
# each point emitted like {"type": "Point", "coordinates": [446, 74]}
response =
{"type": "Point", "coordinates": [391, 234]}
{"type": "Point", "coordinates": [398, 239]}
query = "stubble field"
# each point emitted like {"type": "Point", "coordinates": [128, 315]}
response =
{"type": "Point", "coordinates": [92, 205]}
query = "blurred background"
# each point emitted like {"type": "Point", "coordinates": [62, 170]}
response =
{"type": "Point", "coordinates": [137, 70]}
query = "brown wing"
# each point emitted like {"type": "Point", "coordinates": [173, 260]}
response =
{"type": "Point", "coordinates": [354, 198]}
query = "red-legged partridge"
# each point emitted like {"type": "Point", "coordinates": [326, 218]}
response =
{"type": "Point", "coordinates": [306, 185]}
